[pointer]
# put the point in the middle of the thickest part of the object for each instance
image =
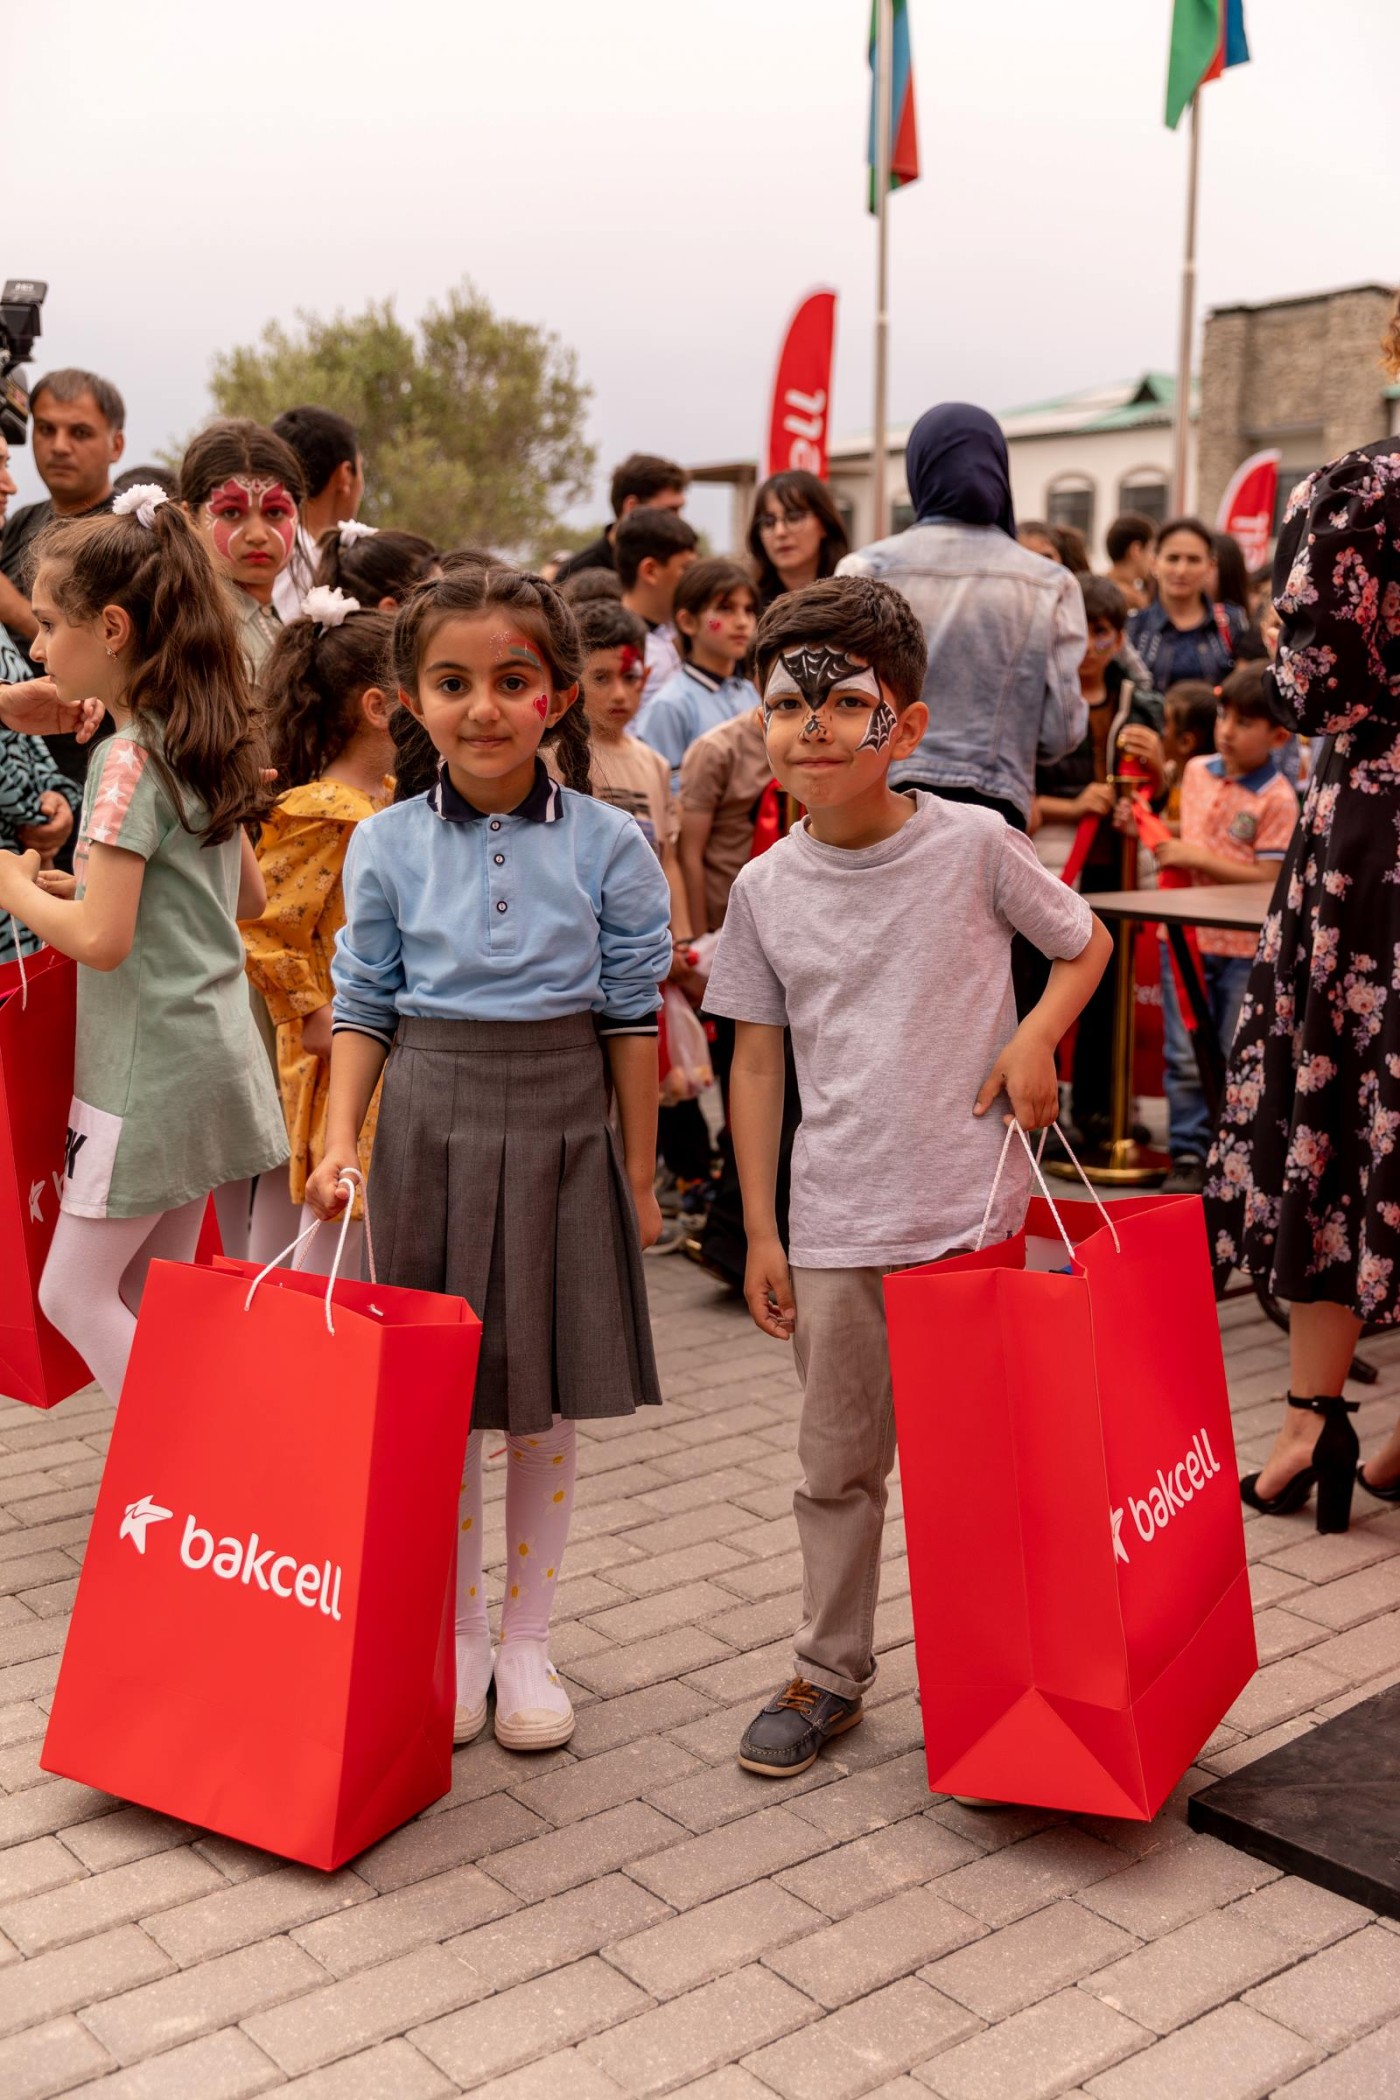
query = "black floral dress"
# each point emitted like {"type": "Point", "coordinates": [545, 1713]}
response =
{"type": "Point", "coordinates": [1304, 1180]}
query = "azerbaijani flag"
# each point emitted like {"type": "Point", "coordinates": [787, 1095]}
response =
{"type": "Point", "coordinates": [904, 132]}
{"type": "Point", "coordinates": [1207, 36]}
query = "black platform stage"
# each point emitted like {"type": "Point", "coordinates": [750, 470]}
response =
{"type": "Point", "coordinates": [1326, 1806]}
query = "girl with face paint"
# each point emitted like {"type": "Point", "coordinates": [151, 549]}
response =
{"type": "Point", "coordinates": [505, 937]}
{"type": "Point", "coordinates": [241, 487]}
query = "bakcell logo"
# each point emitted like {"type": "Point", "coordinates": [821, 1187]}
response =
{"type": "Point", "coordinates": [314, 1584]}
{"type": "Point", "coordinates": [1176, 1486]}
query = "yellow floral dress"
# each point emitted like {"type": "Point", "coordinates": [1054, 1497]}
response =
{"type": "Point", "coordinates": [290, 946]}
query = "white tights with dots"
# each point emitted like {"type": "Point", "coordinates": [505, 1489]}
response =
{"type": "Point", "coordinates": [539, 1503]}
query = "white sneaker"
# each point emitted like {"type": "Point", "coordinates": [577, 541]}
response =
{"type": "Point", "coordinates": [468, 1721]}
{"type": "Point", "coordinates": [533, 1710]}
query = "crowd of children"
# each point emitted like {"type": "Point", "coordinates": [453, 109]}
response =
{"type": "Point", "coordinates": [382, 874]}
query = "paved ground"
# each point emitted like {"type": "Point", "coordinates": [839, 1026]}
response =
{"type": "Point", "coordinates": [636, 1915]}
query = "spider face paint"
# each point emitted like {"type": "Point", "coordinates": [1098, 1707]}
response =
{"type": "Point", "coordinates": [881, 729]}
{"type": "Point", "coordinates": [812, 675]}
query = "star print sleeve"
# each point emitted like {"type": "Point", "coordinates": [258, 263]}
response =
{"type": "Point", "coordinates": [127, 807]}
{"type": "Point", "coordinates": [634, 935]}
{"type": "Point", "coordinates": [367, 970]}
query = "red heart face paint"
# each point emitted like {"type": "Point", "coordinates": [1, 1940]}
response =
{"type": "Point", "coordinates": [715, 624]}
{"type": "Point", "coordinates": [252, 521]}
{"type": "Point", "coordinates": [542, 705]}
{"type": "Point", "coordinates": [629, 660]}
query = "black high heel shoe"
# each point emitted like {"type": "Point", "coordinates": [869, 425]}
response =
{"type": "Point", "coordinates": [1387, 1494]}
{"type": "Point", "coordinates": [1332, 1470]}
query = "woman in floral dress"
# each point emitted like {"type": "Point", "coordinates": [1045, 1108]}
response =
{"type": "Point", "coordinates": [1304, 1181]}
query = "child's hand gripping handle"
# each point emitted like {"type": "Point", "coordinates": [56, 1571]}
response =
{"type": "Point", "coordinates": [348, 1178]}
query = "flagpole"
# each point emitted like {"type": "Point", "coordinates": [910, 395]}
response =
{"type": "Point", "coordinates": [884, 89]}
{"type": "Point", "coordinates": [1181, 425]}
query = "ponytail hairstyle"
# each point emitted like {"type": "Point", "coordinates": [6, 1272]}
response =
{"type": "Point", "coordinates": [537, 609]}
{"type": "Point", "coordinates": [187, 672]}
{"type": "Point", "coordinates": [312, 685]}
{"type": "Point", "coordinates": [236, 445]}
{"type": "Point", "coordinates": [371, 565]}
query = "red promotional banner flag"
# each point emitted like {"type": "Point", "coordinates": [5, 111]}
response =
{"type": "Point", "coordinates": [38, 1005]}
{"type": "Point", "coordinates": [262, 1640]}
{"type": "Point", "coordinates": [1247, 506]}
{"type": "Point", "coordinates": [799, 425]}
{"type": "Point", "coordinates": [1082, 1615]}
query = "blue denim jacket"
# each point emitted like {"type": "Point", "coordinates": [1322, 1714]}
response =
{"type": "Point", "coordinates": [1006, 633]}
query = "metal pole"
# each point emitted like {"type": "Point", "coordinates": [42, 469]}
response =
{"type": "Point", "coordinates": [884, 88]}
{"type": "Point", "coordinates": [1181, 429]}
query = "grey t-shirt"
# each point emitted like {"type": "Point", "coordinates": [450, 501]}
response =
{"type": "Point", "coordinates": [892, 966]}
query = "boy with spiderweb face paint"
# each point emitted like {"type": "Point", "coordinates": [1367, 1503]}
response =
{"type": "Point", "coordinates": [879, 932]}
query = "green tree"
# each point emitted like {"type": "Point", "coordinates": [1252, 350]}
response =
{"type": "Point", "coordinates": [471, 427]}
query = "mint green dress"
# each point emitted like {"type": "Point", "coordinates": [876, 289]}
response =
{"type": "Point", "coordinates": [172, 1092]}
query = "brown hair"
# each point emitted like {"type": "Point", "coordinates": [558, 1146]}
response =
{"type": "Point", "coordinates": [796, 493]}
{"type": "Point", "coordinates": [536, 608]}
{"type": "Point", "coordinates": [1390, 341]}
{"type": "Point", "coordinates": [706, 582]}
{"type": "Point", "coordinates": [236, 445]}
{"type": "Point", "coordinates": [373, 565]}
{"type": "Point", "coordinates": [188, 672]}
{"type": "Point", "coordinates": [858, 616]}
{"type": "Point", "coordinates": [644, 475]}
{"type": "Point", "coordinates": [605, 623]}
{"type": "Point", "coordinates": [311, 689]}
{"type": "Point", "coordinates": [1197, 526]}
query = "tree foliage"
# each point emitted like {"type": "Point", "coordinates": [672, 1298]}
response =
{"type": "Point", "coordinates": [471, 427]}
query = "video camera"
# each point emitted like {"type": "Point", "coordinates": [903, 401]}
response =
{"type": "Point", "coordinates": [20, 301]}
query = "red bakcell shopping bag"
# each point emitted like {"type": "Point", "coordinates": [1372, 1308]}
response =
{"type": "Point", "coordinates": [37, 1016]}
{"type": "Point", "coordinates": [262, 1641]}
{"type": "Point", "coordinates": [1076, 1553]}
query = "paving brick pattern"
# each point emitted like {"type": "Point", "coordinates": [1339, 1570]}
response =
{"type": "Point", "coordinates": [637, 1916]}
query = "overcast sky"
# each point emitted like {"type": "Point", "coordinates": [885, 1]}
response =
{"type": "Point", "coordinates": [660, 183]}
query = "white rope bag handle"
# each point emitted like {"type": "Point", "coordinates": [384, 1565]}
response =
{"type": "Point", "coordinates": [347, 1181]}
{"type": "Point", "coordinates": [1013, 1129]}
{"type": "Point", "coordinates": [19, 958]}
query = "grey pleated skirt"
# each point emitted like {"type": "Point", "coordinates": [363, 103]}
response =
{"type": "Point", "coordinates": [496, 1175]}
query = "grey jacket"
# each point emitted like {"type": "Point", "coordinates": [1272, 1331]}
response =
{"type": "Point", "coordinates": [1006, 633]}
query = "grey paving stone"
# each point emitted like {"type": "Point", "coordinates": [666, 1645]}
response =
{"type": "Point", "coordinates": [1368, 2070]}
{"type": "Point", "coordinates": [68, 1978]}
{"type": "Point", "coordinates": [1022, 1877]}
{"type": "Point", "coordinates": [252, 1910]}
{"type": "Point", "coordinates": [51, 2058]}
{"type": "Point", "coordinates": [127, 1834]}
{"type": "Point", "coordinates": [1339, 1994]}
{"type": "Point", "coordinates": [1170, 1887]}
{"type": "Point", "coordinates": [545, 1866]}
{"type": "Point", "coordinates": [531, 2021]}
{"type": "Point", "coordinates": [1304, 1916]}
{"type": "Point", "coordinates": [415, 1915]}
{"type": "Point", "coordinates": [588, 1785]}
{"type": "Point", "coordinates": [837, 1963]}
{"type": "Point", "coordinates": [659, 2051]}
{"type": "Point", "coordinates": [658, 1709]}
{"type": "Point", "coordinates": [1036, 2053]}
{"type": "Point", "coordinates": [1022, 1963]}
{"type": "Point", "coordinates": [1352, 1598]}
{"type": "Point", "coordinates": [698, 1868]}
{"type": "Point", "coordinates": [907, 1854]}
{"type": "Point", "coordinates": [1232, 2054]}
{"type": "Point", "coordinates": [193, 2002]}
{"type": "Point", "coordinates": [713, 1794]}
{"type": "Point", "coordinates": [566, 2075]}
{"type": "Point", "coordinates": [682, 1952]}
{"type": "Point", "coordinates": [460, 1836]}
{"type": "Point", "coordinates": [389, 2071]}
{"type": "Point", "coordinates": [552, 1934]}
{"type": "Point", "coordinates": [626, 1669]}
{"type": "Point", "coordinates": [869, 1799]}
{"type": "Point", "coordinates": [223, 2066]}
{"type": "Point", "coordinates": [126, 1893]}
{"type": "Point", "coordinates": [1177, 1978]}
{"type": "Point", "coordinates": [861, 2048]}
{"type": "Point", "coordinates": [27, 1870]}
{"type": "Point", "coordinates": [343, 2018]}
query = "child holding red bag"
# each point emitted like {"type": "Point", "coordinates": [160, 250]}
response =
{"type": "Point", "coordinates": [327, 711]}
{"type": "Point", "coordinates": [503, 944]}
{"type": "Point", "coordinates": [172, 1097]}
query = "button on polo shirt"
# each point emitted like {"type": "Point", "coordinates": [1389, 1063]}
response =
{"type": "Point", "coordinates": [542, 805]}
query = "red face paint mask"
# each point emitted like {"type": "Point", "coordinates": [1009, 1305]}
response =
{"type": "Point", "coordinates": [231, 509]}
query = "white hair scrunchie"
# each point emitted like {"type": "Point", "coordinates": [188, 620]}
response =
{"type": "Point", "coordinates": [327, 607]}
{"type": "Point", "coordinates": [141, 502]}
{"type": "Point", "coordinates": [350, 530]}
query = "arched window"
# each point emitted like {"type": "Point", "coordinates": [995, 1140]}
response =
{"type": "Point", "coordinates": [1144, 489]}
{"type": "Point", "coordinates": [1069, 500]}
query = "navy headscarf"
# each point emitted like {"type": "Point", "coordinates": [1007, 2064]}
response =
{"type": "Point", "coordinates": [957, 469]}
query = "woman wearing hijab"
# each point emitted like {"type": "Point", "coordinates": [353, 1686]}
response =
{"type": "Point", "coordinates": [1005, 628]}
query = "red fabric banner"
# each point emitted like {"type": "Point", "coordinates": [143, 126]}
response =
{"type": "Point", "coordinates": [800, 421]}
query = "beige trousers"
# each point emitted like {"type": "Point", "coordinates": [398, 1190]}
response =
{"type": "Point", "coordinates": [846, 1446]}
